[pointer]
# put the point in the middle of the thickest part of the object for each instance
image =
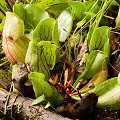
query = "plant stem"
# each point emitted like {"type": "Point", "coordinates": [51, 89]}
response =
{"type": "Point", "coordinates": [90, 20]}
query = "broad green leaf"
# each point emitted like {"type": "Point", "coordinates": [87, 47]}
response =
{"type": "Point", "coordinates": [19, 10]}
{"type": "Point", "coordinates": [14, 43]}
{"type": "Point", "coordinates": [99, 38]}
{"type": "Point", "coordinates": [89, 5]}
{"type": "Point", "coordinates": [98, 78]}
{"type": "Point", "coordinates": [56, 9]}
{"type": "Point", "coordinates": [109, 94]}
{"type": "Point", "coordinates": [5, 78]}
{"type": "Point", "coordinates": [44, 30]}
{"type": "Point", "coordinates": [93, 66]}
{"type": "Point", "coordinates": [33, 15]}
{"type": "Point", "coordinates": [38, 100]}
{"type": "Point", "coordinates": [44, 91]}
{"type": "Point", "coordinates": [41, 57]}
{"type": "Point", "coordinates": [65, 22]}
{"type": "Point", "coordinates": [56, 98]}
{"type": "Point", "coordinates": [47, 53]}
{"type": "Point", "coordinates": [47, 3]}
{"type": "Point", "coordinates": [40, 86]}
{"type": "Point", "coordinates": [78, 8]}
{"type": "Point", "coordinates": [32, 57]}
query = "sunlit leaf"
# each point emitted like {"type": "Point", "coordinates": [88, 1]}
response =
{"type": "Point", "coordinates": [19, 10]}
{"type": "Point", "coordinates": [56, 98]}
{"type": "Point", "coordinates": [99, 38]}
{"type": "Point", "coordinates": [93, 66]}
{"type": "Point", "coordinates": [89, 5]}
{"type": "Point", "coordinates": [57, 8]}
{"type": "Point", "coordinates": [41, 57]}
{"type": "Point", "coordinates": [44, 91]}
{"type": "Point", "coordinates": [78, 8]}
{"type": "Point", "coordinates": [38, 100]}
{"type": "Point", "coordinates": [33, 15]}
{"type": "Point", "coordinates": [39, 85]}
{"type": "Point", "coordinates": [48, 3]}
{"type": "Point", "coordinates": [44, 30]}
{"type": "Point", "coordinates": [65, 22]}
{"type": "Point", "coordinates": [109, 94]}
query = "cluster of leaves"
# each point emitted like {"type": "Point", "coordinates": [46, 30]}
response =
{"type": "Point", "coordinates": [35, 36]}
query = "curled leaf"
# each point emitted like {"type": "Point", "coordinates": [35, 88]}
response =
{"type": "Point", "coordinates": [14, 43]}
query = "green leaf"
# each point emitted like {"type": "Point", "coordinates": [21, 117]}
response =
{"type": "Point", "coordinates": [40, 86]}
{"type": "Point", "coordinates": [47, 3]}
{"type": "Point", "coordinates": [19, 10]}
{"type": "Point", "coordinates": [65, 22]}
{"type": "Point", "coordinates": [109, 94]}
{"type": "Point", "coordinates": [106, 49]}
{"type": "Point", "coordinates": [33, 15]}
{"type": "Point", "coordinates": [41, 57]}
{"type": "Point", "coordinates": [5, 78]}
{"type": "Point", "coordinates": [44, 90]}
{"type": "Point", "coordinates": [99, 38]}
{"type": "Point", "coordinates": [80, 23]}
{"type": "Point", "coordinates": [56, 98]}
{"type": "Point", "coordinates": [89, 5]}
{"type": "Point", "coordinates": [32, 57]}
{"type": "Point", "coordinates": [93, 66]}
{"type": "Point", "coordinates": [56, 9]}
{"type": "Point", "coordinates": [55, 34]}
{"type": "Point", "coordinates": [49, 105]}
{"type": "Point", "coordinates": [47, 56]}
{"type": "Point", "coordinates": [38, 100]}
{"type": "Point", "coordinates": [44, 30]}
{"type": "Point", "coordinates": [56, 39]}
{"type": "Point", "coordinates": [78, 8]}
{"type": "Point", "coordinates": [115, 52]}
